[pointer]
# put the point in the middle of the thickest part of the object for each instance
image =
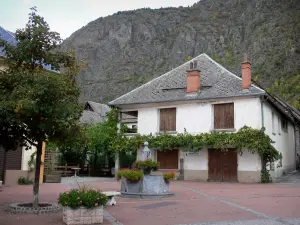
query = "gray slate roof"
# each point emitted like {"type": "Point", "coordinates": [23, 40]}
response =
{"type": "Point", "coordinates": [94, 113]}
{"type": "Point", "coordinates": [216, 82]}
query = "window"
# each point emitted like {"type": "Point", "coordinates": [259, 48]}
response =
{"type": "Point", "coordinates": [278, 126]}
{"type": "Point", "coordinates": [168, 159]}
{"type": "Point", "coordinates": [284, 125]}
{"type": "Point", "coordinates": [224, 116]}
{"type": "Point", "coordinates": [273, 123]}
{"type": "Point", "coordinates": [167, 119]}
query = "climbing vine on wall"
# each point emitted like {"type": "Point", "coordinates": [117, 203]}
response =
{"type": "Point", "coordinates": [253, 140]}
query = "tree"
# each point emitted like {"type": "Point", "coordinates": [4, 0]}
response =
{"type": "Point", "coordinates": [74, 148]}
{"type": "Point", "coordinates": [37, 105]}
{"type": "Point", "coordinates": [101, 136]}
{"type": "Point", "coordinates": [92, 139]}
{"type": "Point", "coordinates": [288, 89]}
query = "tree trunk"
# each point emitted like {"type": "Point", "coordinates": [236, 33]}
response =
{"type": "Point", "coordinates": [36, 184]}
{"type": "Point", "coordinates": [4, 166]}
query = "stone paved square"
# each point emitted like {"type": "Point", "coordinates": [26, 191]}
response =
{"type": "Point", "coordinates": [194, 203]}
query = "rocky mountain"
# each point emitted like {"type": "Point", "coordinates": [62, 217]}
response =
{"type": "Point", "coordinates": [129, 48]}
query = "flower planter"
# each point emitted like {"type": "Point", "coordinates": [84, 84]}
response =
{"type": "Point", "coordinates": [149, 185]}
{"type": "Point", "coordinates": [83, 215]}
{"type": "Point", "coordinates": [147, 171]}
{"type": "Point", "coordinates": [130, 186]}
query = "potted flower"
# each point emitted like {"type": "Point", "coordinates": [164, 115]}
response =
{"type": "Point", "coordinates": [147, 165]}
{"type": "Point", "coordinates": [120, 173]}
{"type": "Point", "coordinates": [169, 176]}
{"type": "Point", "coordinates": [130, 180]}
{"type": "Point", "coordinates": [130, 175]}
{"type": "Point", "coordinates": [82, 206]}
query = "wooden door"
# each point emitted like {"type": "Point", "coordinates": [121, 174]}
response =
{"type": "Point", "coordinates": [168, 159]}
{"type": "Point", "coordinates": [222, 165]}
{"type": "Point", "coordinates": [214, 165]}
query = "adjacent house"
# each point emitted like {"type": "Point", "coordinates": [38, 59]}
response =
{"type": "Point", "coordinates": [202, 96]}
{"type": "Point", "coordinates": [94, 113]}
{"type": "Point", "coordinates": [14, 164]}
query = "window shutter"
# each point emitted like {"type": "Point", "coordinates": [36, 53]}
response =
{"type": "Point", "coordinates": [167, 119]}
{"type": "Point", "coordinates": [14, 159]}
{"type": "Point", "coordinates": [224, 116]}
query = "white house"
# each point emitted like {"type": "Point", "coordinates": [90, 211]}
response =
{"type": "Point", "coordinates": [202, 96]}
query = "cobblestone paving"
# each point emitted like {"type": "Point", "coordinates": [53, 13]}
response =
{"type": "Point", "coordinates": [289, 221]}
{"type": "Point", "coordinates": [292, 177]}
{"type": "Point", "coordinates": [197, 203]}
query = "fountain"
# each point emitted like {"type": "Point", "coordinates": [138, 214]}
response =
{"type": "Point", "coordinates": [150, 186]}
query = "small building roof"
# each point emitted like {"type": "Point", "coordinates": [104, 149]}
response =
{"type": "Point", "coordinates": [94, 113]}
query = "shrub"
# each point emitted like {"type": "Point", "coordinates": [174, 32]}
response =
{"type": "Point", "coordinates": [88, 198]}
{"type": "Point", "coordinates": [146, 164]}
{"type": "Point", "coordinates": [169, 176]}
{"type": "Point", "coordinates": [120, 173]}
{"type": "Point", "coordinates": [131, 175]}
{"type": "Point", "coordinates": [24, 181]}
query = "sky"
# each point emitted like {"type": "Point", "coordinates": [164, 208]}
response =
{"type": "Point", "coordinates": [67, 16]}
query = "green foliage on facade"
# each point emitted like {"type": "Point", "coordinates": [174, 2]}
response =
{"type": "Point", "coordinates": [246, 138]}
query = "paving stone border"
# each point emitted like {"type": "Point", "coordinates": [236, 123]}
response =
{"type": "Point", "coordinates": [15, 208]}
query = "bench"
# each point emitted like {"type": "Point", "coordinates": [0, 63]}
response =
{"type": "Point", "coordinates": [111, 197]}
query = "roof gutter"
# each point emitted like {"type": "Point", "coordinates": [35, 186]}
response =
{"type": "Point", "coordinates": [186, 100]}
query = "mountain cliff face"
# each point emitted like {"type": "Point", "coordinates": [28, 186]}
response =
{"type": "Point", "coordinates": [130, 48]}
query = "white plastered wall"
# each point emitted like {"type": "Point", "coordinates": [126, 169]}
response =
{"type": "Point", "coordinates": [198, 118]}
{"type": "Point", "coordinates": [284, 140]}
{"type": "Point", "coordinates": [26, 157]}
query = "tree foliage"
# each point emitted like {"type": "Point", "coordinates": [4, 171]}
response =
{"type": "Point", "coordinates": [37, 105]}
{"type": "Point", "coordinates": [93, 140]}
{"type": "Point", "coordinates": [288, 89]}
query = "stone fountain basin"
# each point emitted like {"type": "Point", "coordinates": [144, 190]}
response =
{"type": "Point", "coordinates": [149, 187]}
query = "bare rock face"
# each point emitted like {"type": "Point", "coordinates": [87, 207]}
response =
{"type": "Point", "coordinates": [130, 48]}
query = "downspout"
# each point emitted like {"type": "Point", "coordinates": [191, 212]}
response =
{"type": "Point", "coordinates": [262, 112]}
{"type": "Point", "coordinates": [296, 137]}
{"type": "Point", "coordinates": [263, 165]}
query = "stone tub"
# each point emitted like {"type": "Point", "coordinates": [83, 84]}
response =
{"type": "Point", "coordinates": [150, 186]}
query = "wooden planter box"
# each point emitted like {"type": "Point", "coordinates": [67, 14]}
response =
{"type": "Point", "coordinates": [55, 178]}
{"type": "Point", "coordinates": [83, 215]}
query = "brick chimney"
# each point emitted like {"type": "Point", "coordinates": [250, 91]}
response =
{"type": "Point", "coordinates": [193, 78]}
{"type": "Point", "coordinates": [246, 74]}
